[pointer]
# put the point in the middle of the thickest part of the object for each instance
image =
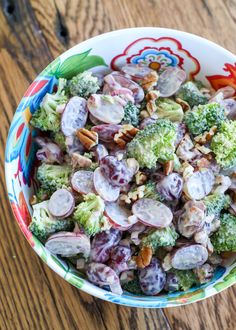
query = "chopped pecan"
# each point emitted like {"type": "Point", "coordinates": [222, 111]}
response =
{"type": "Point", "coordinates": [149, 81]}
{"type": "Point", "coordinates": [185, 106]}
{"type": "Point", "coordinates": [134, 195]}
{"type": "Point", "coordinates": [140, 178]}
{"type": "Point", "coordinates": [144, 257]}
{"type": "Point", "coordinates": [204, 150]}
{"type": "Point", "coordinates": [152, 95]}
{"type": "Point", "coordinates": [88, 138]}
{"type": "Point", "coordinates": [78, 160]}
{"type": "Point", "coordinates": [144, 114]}
{"type": "Point", "coordinates": [33, 200]}
{"type": "Point", "coordinates": [126, 134]}
{"type": "Point", "coordinates": [168, 167]}
{"type": "Point", "coordinates": [207, 136]}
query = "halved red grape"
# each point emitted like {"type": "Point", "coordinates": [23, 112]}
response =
{"type": "Point", "coordinates": [68, 244]}
{"type": "Point", "coordinates": [103, 275]}
{"type": "Point", "coordinates": [61, 204]}
{"type": "Point", "coordinates": [116, 171]}
{"type": "Point", "coordinates": [119, 216]}
{"type": "Point", "coordinates": [103, 187]}
{"type": "Point", "coordinates": [74, 116]}
{"type": "Point", "coordinates": [170, 81]}
{"type": "Point", "coordinates": [136, 71]}
{"type": "Point", "coordinates": [170, 187]}
{"type": "Point", "coordinates": [152, 213]}
{"type": "Point", "coordinates": [137, 90]}
{"type": "Point", "coordinates": [106, 108]}
{"type": "Point", "coordinates": [106, 132]}
{"type": "Point", "coordinates": [82, 182]}
{"type": "Point", "coordinates": [199, 184]}
{"type": "Point", "coordinates": [152, 278]}
{"type": "Point", "coordinates": [103, 243]}
{"type": "Point", "coordinates": [189, 257]}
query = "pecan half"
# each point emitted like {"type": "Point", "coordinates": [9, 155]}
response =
{"type": "Point", "coordinates": [144, 257]}
{"type": "Point", "coordinates": [88, 138]}
{"type": "Point", "coordinates": [168, 167]}
{"type": "Point", "coordinates": [207, 136]}
{"type": "Point", "coordinates": [126, 134]}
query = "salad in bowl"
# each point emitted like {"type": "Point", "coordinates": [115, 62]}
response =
{"type": "Point", "coordinates": [135, 178]}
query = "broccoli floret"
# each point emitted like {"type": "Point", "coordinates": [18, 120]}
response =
{"type": "Point", "coordinates": [53, 177]}
{"type": "Point", "coordinates": [160, 237]}
{"type": "Point", "coordinates": [151, 192]}
{"type": "Point", "coordinates": [60, 139]}
{"type": "Point", "coordinates": [224, 144]}
{"type": "Point", "coordinates": [43, 224]}
{"type": "Point", "coordinates": [42, 195]}
{"type": "Point", "coordinates": [155, 142]}
{"type": "Point", "coordinates": [89, 215]}
{"type": "Point", "coordinates": [203, 117]}
{"type": "Point", "coordinates": [168, 109]}
{"type": "Point", "coordinates": [133, 286]}
{"type": "Point", "coordinates": [46, 117]}
{"type": "Point", "coordinates": [186, 278]}
{"type": "Point", "coordinates": [224, 239]}
{"type": "Point", "coordinates": [131, 115]}
{"type": "Point", "coordinates": [84, 84]}
{"type": "Point", "coordinates": [190, 93]}
{"type": "Point", "coordinates": [215, 203]}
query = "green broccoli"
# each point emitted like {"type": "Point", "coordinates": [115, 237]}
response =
{"type": "Point", "coordinates": [155, 142]}
{"type": "Point", "coordinates": [42, 195]}
{"type": "Point", "coordinates": [131, 114]}
{"type": "Point", "coordinates": [203, 117]}
{"type": "Point", "coordinates": [89, 215]}
{"type": "Point", "coordinates": [215, 203]}
{"type": "Point", "coordinates": [186, 278]}
{"type": "Point", "coordinates": [133, 286]}
{"type": "Point", "coordinates": [190, 93]}
{"type": "Point", "coordinates": [46, 117]}
{"type": "Point", "coordinates": [60, 139]}
{"type": "Point", "coordinates": [43, 224]}
{"type": "Point", "coordinates": [224, 144]}
{"type": "Point", "coordinates": [156, 238]}
{"type": "Point", "coordinates": [53, 177]}
{"type": "Point", "coordinates": [168, 109]}
{"type": "Point", "coordinates": [151, 192]}
{"type": "Point", "coordinates": [84, 84]}
{"type": "Point", "coordinates": [224, 239]}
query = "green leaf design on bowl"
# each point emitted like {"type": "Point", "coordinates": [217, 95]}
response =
{"type": "Point", "coordinates": [227, 280]}
{"type": "Point", "coordinates": [74, 280]}
{"type": "Point", "coordinates": [60, 263]}
{"type": "Point", "coordinates": [73, 65]}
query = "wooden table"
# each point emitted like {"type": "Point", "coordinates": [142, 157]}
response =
{"type": "Point", "coordinates": [32, 33]}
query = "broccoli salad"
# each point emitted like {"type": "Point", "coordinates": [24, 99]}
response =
{"type": "Point", "coordinates": [137, 178]}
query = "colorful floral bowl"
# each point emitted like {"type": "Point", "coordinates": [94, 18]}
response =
{"type": "Point", "coordinates": [156, 47]}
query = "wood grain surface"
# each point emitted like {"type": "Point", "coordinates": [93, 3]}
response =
{"type": "Point", "coordinates": [32, 33]}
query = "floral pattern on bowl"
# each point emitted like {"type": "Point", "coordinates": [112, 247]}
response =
{"type": "Point", "coordinates": [156, 47]}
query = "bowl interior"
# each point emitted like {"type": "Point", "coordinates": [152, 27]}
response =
{"type": "Point", "coordinates": [159, 48]}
